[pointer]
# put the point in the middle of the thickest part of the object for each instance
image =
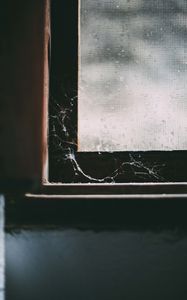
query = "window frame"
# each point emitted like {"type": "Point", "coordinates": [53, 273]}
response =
{"type": "Point", "coordinates": [128, 190]}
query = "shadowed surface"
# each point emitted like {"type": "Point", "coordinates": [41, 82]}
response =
{"type": "Point", "coordinates": [2, 248]}
{"type": "Point", "coordinates": [72, 264]}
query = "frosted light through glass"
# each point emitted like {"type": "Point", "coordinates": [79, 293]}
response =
{"type": "Point", "coordinates": [132, 90]}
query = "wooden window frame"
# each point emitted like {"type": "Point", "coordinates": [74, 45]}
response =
{"type": "Point", "coordinates": [24, 132]}
{"type": "Point", "coordinates": [149, 190]}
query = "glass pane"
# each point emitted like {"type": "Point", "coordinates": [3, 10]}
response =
{"type": "Point", "coordinates": [132, 75]}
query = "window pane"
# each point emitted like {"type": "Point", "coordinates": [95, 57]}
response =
{"type": "Point", "coordinates": [132, 75]}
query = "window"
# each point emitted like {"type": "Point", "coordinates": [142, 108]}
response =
{"type": "Point", "coordinates": [77, 172]}
{"type": "Point", "coordinates": [67, 164]}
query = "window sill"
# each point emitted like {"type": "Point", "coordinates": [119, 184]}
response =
{"type": "Point", "coordinates": [112, 191]}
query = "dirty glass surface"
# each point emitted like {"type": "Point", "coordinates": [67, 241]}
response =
{"type": "Point", "coordinates": [133, 74]}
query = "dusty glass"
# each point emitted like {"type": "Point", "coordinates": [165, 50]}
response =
{"type": "Point", "coordinates": [132, 75]}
